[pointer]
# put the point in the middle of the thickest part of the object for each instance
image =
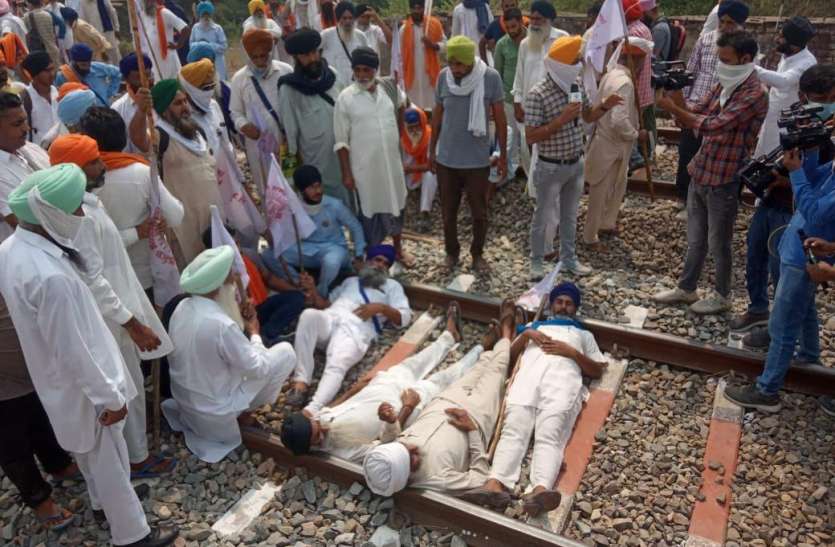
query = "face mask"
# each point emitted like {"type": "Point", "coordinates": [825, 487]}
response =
{"type": "Point", "coordinates": [730, 76]}
{"type": "Point", "coordinates": [826, 113]}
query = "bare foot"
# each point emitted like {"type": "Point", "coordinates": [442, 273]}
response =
{"type": "Point", "coordinates": [453, 320]}
{"type": "Point", "coordinates": [246, 419]}
{"type": "Point", "coordinates": [508, 310]}
{"type": "Point", "coordinates": [491, 336]}
{"type": "Point", "coordinates": [52, 516]}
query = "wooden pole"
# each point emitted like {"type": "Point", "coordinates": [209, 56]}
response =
{"type": "Point", "coordinates": [641, 145]}
{"type": "Point", "coordinates": [298, 243]}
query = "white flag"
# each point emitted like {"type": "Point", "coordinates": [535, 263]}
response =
{"type": "Point", "coordinates": [533, 297]}
{"type": "Point", "coordinates": [609, 26]}
{"type": "Point", "coordinates": [220, 236]}
{"type": "Point", "coordinates": [241, 213]}
{"type": "Point", "coordinates": [164, 270]}
{"type": "Point", "coordinates": [427, 13]}
{"type": "Point", "coordinates": [281, 205]}
{"type": "Point", "coordinates": [396, 67]}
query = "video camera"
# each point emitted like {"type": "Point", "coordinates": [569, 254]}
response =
{"type": "Point", "coordinates": [800, 127]}
{"type": "Point", "coordinates": [758, 173]}
{"type": "Point", "coordinates": [671, 75]}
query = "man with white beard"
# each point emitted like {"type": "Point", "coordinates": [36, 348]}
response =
{"type": "Point", "coordinates": [220, 368]}
{"type": "Point", "coordinates": [346, 323]}
{"type": "Point", "coordinates": [339, 42]}
{"type": "Point", "coordinates": [162, 48]}
{"type": "Point", "coordinates": [258, 20]}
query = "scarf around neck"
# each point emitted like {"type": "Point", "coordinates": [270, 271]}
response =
{"type": "Point", "coordinates": [198, 145]}
{"type": "Point", "coordinates": [304, 85]}
{"type": "Point", "coordinates": [473, 85]}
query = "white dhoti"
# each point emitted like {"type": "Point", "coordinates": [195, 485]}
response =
{"type": "Point", "coordinates": [428, 183]}
{"type": "Point", "coordinates": [516, 141]}
{"type": "Point", "coordinates": [106, 470]}
{"type": "Point", "coordinates": [136, 426]}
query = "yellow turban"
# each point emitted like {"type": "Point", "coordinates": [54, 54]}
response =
{"type": "Point", "coordinates": [256, 5]}
{"type": "Point", "coordinates": [462, 49]}
{"type": "Point", "coordinates": [199, 72]}
{"type": "Point", "coordinates": [565, 50]}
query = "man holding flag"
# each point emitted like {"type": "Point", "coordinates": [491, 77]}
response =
{"type": "Point", "coordinates": [422, 37]}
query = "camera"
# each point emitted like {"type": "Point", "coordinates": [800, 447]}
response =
{"type": "Point", "coordinates": [671, 75]}
{"type": "Point", "coordinates": [758, 173]}
{"type": "Point", "coordinates": [800, 127]}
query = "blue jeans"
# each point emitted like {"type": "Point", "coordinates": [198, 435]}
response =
{"type": "Point", "coordinates": [277, 313]}
{"type": "Point", "coordinates": [563, 185]}
{"type": "Point", "coordinates": [760, 263]}
{"type": "Point", "coordinates": [328, 259]}
{"type": "Point", "coordinates": [793, 317]}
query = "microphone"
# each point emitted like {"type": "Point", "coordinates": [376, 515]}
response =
{"type": "Point", "coordinates": [575, 97]}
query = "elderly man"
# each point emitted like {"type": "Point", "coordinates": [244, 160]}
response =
{"type": "Point", "coordinates": [414, 143]}
{"type": "Point", "coordinates": [75, 363]}
{"type": "Point", "coordinates": [102, 15]}
{"type": "Point", "coordinates": [135, 103]}
{"type": "Point", "coordinates": [325, 249]}
{"type": "Point", "coordinates": [187, 168]}
{"type": "Point", "coordinates": [126, 193]}
{"type": "Point", "coordinates": [379, 406]}
{"type": "Point", "coordinates": [254, 103]}
{"type": "Point", "coordinates": [102, 79]}
{"type": "Point", "coordinates": [42, 94]}
{"type": "Point", "coordinates": [471, 18]}
{"type": "Point", "coordinates": [460, 148]}
{"type": "Point", "coordinates": [258, 20]}
{"type": "Point", "coordinates": [306, 99]}
{"type": "Point", "coordinates": [206, 31]}
{"type": "Point", "coordinates": [85, 33]}
{"type": "Point", "coordinates": [545, 398]}
{"type": "Point", "coordinates": [159, 25]}
{"type": "Point", "coordinates": [611, 145]}
{"type": "Point", "coordinates": [218, 372]}
{"type": "Point", "coordinates": [339, 42]}
{"type": "Point", "coordinates": [421, 42]}
{"type": "Point", "coordinates": [445, 449]}
{"type": "Point", "coordinates": [636, 28]}
{"type": "Point", "coordinates": [346, 322]}
{"type": "Point", "coordinates": [368, 144]}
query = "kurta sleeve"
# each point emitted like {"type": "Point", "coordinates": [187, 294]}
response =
{"type": "Point", "coordinates": [170, 19]}
{"type": "Point", "coordinates": [109, 303]}
{"type": "Point", "coordinates": [347, 219]}
{"type": "Point", "coordinates": [249, 356]}
{"type": "Point", "coordinates": [341, 124]}
{"type": "Point", "coordinates": [114, 77]}
{"type": "Point", "coordinates": [621, 123]}
{"type": "Point", "coordinates": [389, 432]}
{"type": "Point", "coordinates": [590, 348]}
{"type": "Point", "coordinates": [237, 105]}
{"type": "Point", "coordinates": [781, 80]}
{"type": "Point", "coordinates": [221, 44]}
{"type": "Point", "coordinates": [129, 236]}
{"type": "Point", "coordinates": [456, 22]}
{"type": "Point", "coordinates": [171, 207]}
{"type": "Point", "coordinates": [396, 298]}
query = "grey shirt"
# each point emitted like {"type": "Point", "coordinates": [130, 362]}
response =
{"type": "Point", "coordinates": [662, 38]}
{"type": "Point", "coordinates": [457, 147]}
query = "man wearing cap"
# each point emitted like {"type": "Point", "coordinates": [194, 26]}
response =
{"type": "Point", "coordinates": [445, 449]}
{"type": "Point", "coordinates": [611, 145]}
{"type": "Point", "coordinates": [186, 167]}
{"type": "Point", "coordinates": [42, 93]}
{"type": "Point", "coordinates": [258, 20]}
{"type": "Point", "coordinates": [135, 103]}
{"type": "Point", "coordinates": [209, 32]}
{"type": "Point", "coordinates": [346, 322]}
{"type": "Point", "coordinates": [459, 151]}
{"type": "Point", "coordinates": [366, 128]}
{"type": "Point", "coordinates": [85, 33]}
{"type": "Point", "coordinates": [377, 32]}
{"type": "Point", "coordinates": [72, 357]}
{"type": "Point", "coordinates": [102, 79]}
{"type": "Point", "coordinates": [421, 41]}
{"type": "Point", "coordinates": [103, 17]}
{"type": "Point", "coordinates": [325, 249]}
{"type": "Point", "coordinates": [471, 18]}
{"type": "Point", "coordinates": [159, 25]}
{"type": "Point", "coordinates": [254, 103]}
{"type": "Point", "coordinates": [414, 143]}
{"type": "Point", "coordinates": [545, 398]}
{"type": "Point", "coordinates": [380, 405]}
{"type": "Point", "coordinates": [339, 42]}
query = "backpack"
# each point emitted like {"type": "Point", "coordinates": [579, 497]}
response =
{"type": "Point", "coordinates": [678, 37]}
{"type": "Point", "coordinates": [34, 42]}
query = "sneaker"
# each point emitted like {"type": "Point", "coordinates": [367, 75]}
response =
{"type": "Point", "coordinates": [827, 404]}
{"type": "Point", "coordinates": [750, 397]}
{"type": "Point", "coordinates": [748, 320]}
{"type": "Point", "coordinates": [757, 339]}
{"type": "Point", "coordinates": [676, 296]}
{"type": "Point", "coordinates": [537, 270]}
{"type": "Point", "coordinates": [710, 305]}
{"type": "Point", "coordinates": [159, 537]}
{"type": "Point", "coordinates": [577, 269]}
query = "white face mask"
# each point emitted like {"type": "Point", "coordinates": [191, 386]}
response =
{"type": "Point", "coordinates": [730, 77]}
{"type": "Point", "coordinates": [564, 75]}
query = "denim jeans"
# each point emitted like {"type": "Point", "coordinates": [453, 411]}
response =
{"type": "Point", "coordinates": [793, 317]}
{"type": "Point", "coordinates": [278, 312]}
{"type": "Point", "coordinates": [563, 185]}
{"type": "Point", "coordinates": [688, 146]}
{"type": "Point", "coordinates": [760, 263]}
{"type": "Point", "coordinates": [328, 259]}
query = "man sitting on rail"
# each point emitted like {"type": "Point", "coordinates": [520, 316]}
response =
{"type": "Point", "coordinates": [546, 395]}
{"type": "Point", "coordinates": [445, 449]}
{"type": "Point", "coordinates": [396, 396]}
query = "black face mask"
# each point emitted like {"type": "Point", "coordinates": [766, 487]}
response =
{"type": "Point", "coordinates": [784, 48]}
{"type": "Point", "coordinates": [81, 72]}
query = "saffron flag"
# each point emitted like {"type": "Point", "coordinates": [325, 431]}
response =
{"type": "Point", "coordinates": [221, 236]}
{"type": "Point", "coordinates": [282, 205]}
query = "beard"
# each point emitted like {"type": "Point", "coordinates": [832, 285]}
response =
{"type": "Point", "coordinates": [415, 134]}
{"type": "Point", "coordinates": [313, 71]}
{"type": "Point", "coordinates": [536, 38]}
{"type": "Point", "coordinates": [311, 201]}
{"type": "Point", "coordinates": [82, 72]}
{"type": "Point", "coordinates": [227, 299]}
{"type": "Point", "coordinates": [783, 48]}
{"type": "Point", "coordinates": [372, 278]}
{"type": "Point", "coordinates": [96, 183]}
{"type": "Point", "coordinates": [365, 84]}
{"type": "Point", "coordinates": [346, 34]}
{"type": "Point", "coordinates": [186, 127]}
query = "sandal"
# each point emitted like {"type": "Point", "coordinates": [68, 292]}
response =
{"type": "Point", "coordinates": [147, 470]}
{"type": "Point", "coordinates": [546, 500]}
{"type": "Point", "coordinates": [56, 523]}
{"type": "Point", "coordinates": [493, 334]}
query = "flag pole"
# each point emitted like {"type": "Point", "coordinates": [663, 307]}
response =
{"type": "Point", "coordinates": [298, 242]}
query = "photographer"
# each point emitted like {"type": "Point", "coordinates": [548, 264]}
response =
{"type": "Point", "coordinates": [728, 120]}
{"type": "Point", "coordinates": [817, 88]}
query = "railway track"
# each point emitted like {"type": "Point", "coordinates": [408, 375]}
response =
{"type": "Point", "coordinates": [478, 526]}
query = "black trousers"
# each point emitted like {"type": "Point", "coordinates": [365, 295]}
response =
{"type": "Point", "coordinates": [25, 432]}
{"type": "Point", "coordinates": [688, 146]}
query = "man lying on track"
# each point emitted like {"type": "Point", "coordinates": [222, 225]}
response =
{"type": "Point", "coordinates": [380, 405]}
{"type": "Point", "coordinates": [545, 395]}
{"type": "Point", "coordinates": [445, 449]}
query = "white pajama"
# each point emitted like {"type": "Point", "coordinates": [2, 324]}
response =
{"type": "Point", "coordinates": [107, 472]}
{"type": "Point", "coordinates": [135, 422]}
{"type": "Point", "coordinates": [428, 189]}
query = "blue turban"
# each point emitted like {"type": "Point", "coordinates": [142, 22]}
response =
{"type": "Point", "coordinates": [81, 53]}
{"type": "Point", "coordinates": [205, 8]}
{"type": "Point", "coordinates": [565, 288]}
{"type": "Point", "coordinates": [69, 14]}
{"type": "Point", "coordinates": [130, 63]}
{"type": "Point", "coordinates": [386, 251]}
{"type": "Point", "coordinates": [735, 9]}
{"type": "Point", "coordinates": [201, 50]}
{"type": "Point", "coordinates": [411, 116]}
{"type": "Point", "coordinates": [74, 105]}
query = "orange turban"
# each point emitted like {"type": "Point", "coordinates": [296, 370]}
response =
{"type": "Point", "coordinates": [69, 87]}
{"type": "Point", "coordinates": [632, 10]}
{"type": "Point", "coordinates": [256, 39]}
{"type": "Point", "coordinates": [198, 73]}
{"type": "Point", "coordinates": [73, 148]}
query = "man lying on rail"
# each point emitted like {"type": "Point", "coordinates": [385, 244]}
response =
{"type": "Point", "coordinates": [546, 395]}
{"type": "Point", "coordinates": [378, 406]}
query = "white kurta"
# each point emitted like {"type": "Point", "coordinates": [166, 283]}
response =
{"type": "Point", "coordinates": [530, 66]}
{"type": "Point", "coordinates": [421, 92]}
{"type": "Point", "coordinates": [44, 113]}
{"type": "Point", "coordinates": [465, 22]}
{"type": "Point", "coordinates": [365, 124]}
{"type": "Point", "coordinates": [335, 53]}
{"type": "Point", "coordinates": [88, 10]}
{"type": "Point", "coordinates": [13, 169]}
{"type": "Point", "coordinates": [216, 373]}
{"type": "Point", "coordinates": [12, 23]}
{"type": "Point", "coordinates": [784, 83]}
{"type": "Point", "coordinates": [376, 38]}
{"type": "Point", "coordinates": [169, 67]}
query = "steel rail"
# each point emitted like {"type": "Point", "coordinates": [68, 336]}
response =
{"type": "Point", "coordinates": [666, 189]}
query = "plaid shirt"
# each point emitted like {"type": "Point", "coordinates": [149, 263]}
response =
{"type": "Point", "coordinates": [646, 96]}
{"type": "Point", "coordinates": [702, 63]}
{"type": "Point", "coordinates": [728, 134]}
{"type": "Point", "coordinates": [544, 102]}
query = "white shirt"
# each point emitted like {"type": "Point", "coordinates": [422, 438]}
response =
{"type": "Point", "coordinates": [711, 22]}
{"type": "Point", "coordinates": [465, 22]}
{"type": "Point", "coordinates": [75, 364]}
{"type": "Point", "coordinates": [12, 23]}
{"type": "Point", "coordinates": [126, 108]}
{"type": "Point", "coordinates": [44, 113]}
{"type": "Point", "coordinates": [333, 51]}
{"type": "Point", "coordinates": [347, 297]}
{"type": "Point", "coordinates": [13, 169]}
{"type": "Point", "coordinates": [170, 66]}
{"type": "Point", "coordinates": [366, 124]}
{"type": "Point", "coordinates": [270, 26]}
{"type": "Point", "coordinates": [376, 37]}
{"type": "Point", "coordinates": [530, 66]}
{"type": "Point", "coordinates": [245, 103]}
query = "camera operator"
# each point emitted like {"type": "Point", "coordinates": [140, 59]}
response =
{"type": "Point", "coordinates": [728, 119]}
{"type": "Point", "coordinates": [817, 88]}
{"type": "Point", "coordinates": [822, 272]}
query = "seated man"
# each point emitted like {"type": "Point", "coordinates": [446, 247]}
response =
{"type": "Point", "coordinates": [396, 396]}
{"type": "Point", "coordinates": [414, 143]}
{"type": "Point", "coordinates": [217, 374]}
{"type": "Point", "coordinates": [346, 324]}
{"type": "Point", "coordinates": [325, 249]}
{"type": "Point", "coordinates": [546, 396]}
{"type": "Point", "coordinates": [445, 449]}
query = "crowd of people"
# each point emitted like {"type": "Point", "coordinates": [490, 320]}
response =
{"type": "Point", "coordinates": [133, 230]}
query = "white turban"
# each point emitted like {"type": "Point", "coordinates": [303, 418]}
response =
{"type": "Point", "coordinates": [386, 468]}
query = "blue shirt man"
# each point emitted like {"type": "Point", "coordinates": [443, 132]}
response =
{"type": "Point", "coordinates": [102, 79]}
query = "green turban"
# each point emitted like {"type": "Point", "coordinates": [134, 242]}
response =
{"type": "Point", "coordinates": [461, 49]}
{"type": "Point", "coordinates": [163, 94]}
{"type": "Point", "coordinates": [208, 271]}
{"type": "Point", "coordinates": [61, 186]}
